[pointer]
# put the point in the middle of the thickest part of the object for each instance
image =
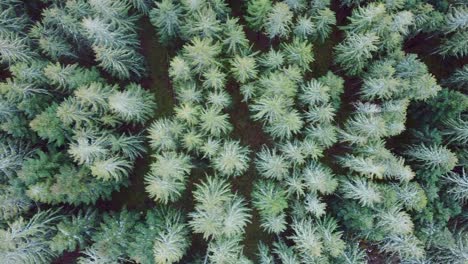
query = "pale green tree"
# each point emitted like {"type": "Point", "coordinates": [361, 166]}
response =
{"type": "Point", "coordinates": [202, 53]}
{"type": "Point", "coordinates": [271, 165]}
{"type": "Point", "coordinates": [218, 212]}
{"type": "Point", "coordinates": [27, 240]}
{"type": "Point", "coordinates": [214, 122]}
{"type": "Point", "coordinates": [433, 157]}
{"type": "Point", "coordinates": [355, 51]}
{"type": "Point", "coordinates": [133, 104]}
{"type": "Point", "coordinates": [244, 68]}
{"type": "Point", "coordinates": [324, 20]}
{"type": "Point", "coordinates": [257, 12]}
{"type": "Point", "coordinates": [279, 20]}
{"type": "Point", "coordinates": [167, 176]}
{"type": "Point", "coordinates": [232, 159]}
{"type": "Point", "coordinates": [123, 63]}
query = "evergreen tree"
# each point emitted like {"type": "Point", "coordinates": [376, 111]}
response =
{"type": "Point", "coordinates": [356, 50]}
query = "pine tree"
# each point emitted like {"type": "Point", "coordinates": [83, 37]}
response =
{"type": "Point", "coordinates": [456, 19]}
{"type": "Point", "coordinates": [271, 165]}
{"type": "Point", "coordinates": [133, 105]}
{"type": "Point", "coordinates": [406, 246]}
{"type": "Point", "coordinates": [202, 53]}
{"type": "Point", "coordinates": [203, 23]}
{"type": "Point", "coordinates": [171, 242]}
{"type": "Point", "coordinates": [112, 238]}
{"type": "Point", "coordinates": [214, 78]}
{"type": "Point", "coordinates": [13, 203]}
{"type": "Point", "coordinates": [244, 68]}
{"type": "Point", "coordinates": [257, 12]}
{"type": "Point", "coordinates": [14, 48]}
{"type": "Point", "coordinates": [298, 52]}
{"type": "Point", "coordinates": [394, 221]}
{"type": "Point", "coordinates": [218, 212]}
{"type": "Point", "coordinates": [113, 168]}
{"type": "Point", "coordinates": [232, 159]}
{"type": "Point", "coordinates": [85, 149]}
{"type": "Point", "coordinates": [74, 231]}
{"type": "Point", "coordinates": [355, 51]}
{"type": "Point", "coordinates": [456, 45]}
{"type": "Point", "coordinates": [214, 123]}
{"type": "Point", "coordinates": [459, 183]}
{"type": "Point", "coordinates": [270, 199]}
{"type": "Point", "coordinates": [319, 178]}
{"type": "Point", "coordinates": [226, 250]}
{"type": "Point", "coordinates": [12, 156]}
{"type": "Point", "coordinates": [324, 20]}
{"type": "Point", "coordinates": [163, 134]}
{"type": "Point", "coordinates": [459, 78]}
{"type": "Point", "coordinates": [306, 238]}
{"type": "Point", "coordinates": [235, 39]}
{"type": "Point", "coordinates": [123, 63]}
{"type": "Point", "coordinates": [457, 130]}
{"type": "Point", "coordinates": [27, 241]}
{"type": "Point", "coordinates": [167, 177]}
{"type": "Point", "coordinates": [304, 27]}
{"type": "Point", "coordinates": [278, 21]}
{"type": "Point", "coordinates": [367, 19]}
{"type": "Point", "coordinates": [433, 157]}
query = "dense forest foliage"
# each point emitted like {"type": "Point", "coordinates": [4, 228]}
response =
{"type": "Point", "coordinates": [232, 132]}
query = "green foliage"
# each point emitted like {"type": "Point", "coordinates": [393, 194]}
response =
{"type": "Point", "coordinates": [53, 179]}
{"type": "Point", "coordinates": [111, 238]}
{"type": "Point", "coordinates": [278, 20]}
{"type": "Point", "coordinates": [13, 203]}
{"type": "Point", "coordinates": [271, 165]}
{"type": "Point", "coordinates": [161, 238]}
{"type": "Point", "coordinates": [12, 154]}
{"type": "Point", "coordinates": [257, 12]}
{"type": "Point", "coordinates": [204, 23]}
{"type": "Point", "coordinates": [299, 53]}
{"type": "Point", "coordinates": [113, 168]}
{"type": "Point", "coordinates": [271, 201]}
{"type": "Point", "coordinates": [122, 62]}
{"type": "Point", "coordinates": [367, 18]}
{"type": "Point", "coordinates": [73, 232]}
{"type": "Point", "coordinates": [133, 104]}
{"type": "Point", "coordinates": [226, 250]}
{"type": "Point", "coordinates": [456, 45]}
{"type": "Point", "coordinates": [202, 53]}
{"type": "Point", "coordinates": [306, 238]}
{"type": "Point", "coordinates": [459, 78]}
{"type": "Point", "coordinates": [433, 157]}
{"type": "Point", "coordinates": [214, 122]}
{"type": "Point", "coordinates": [71, 76]}
{"type": "Point", "coordinates": [167, 177]}
{"type": "Point", "coordinates": [319, 178]}
{"type": "Point", "coordinates": [354, 53]}
{"type": "Point", "coordinates": [243, 68]}
{"type": "Point", "coordinates": [324, 20]}
{"type": "Point", "coordinates": [458, 187]}
{"type": "Point", "coordinates": [26, 241]}
{"type": "Point", "coordinates": [304, 27]}
{"type": "Point", "coordinates": [14, 48]}
{"type": "Point", "coordinates": [235, 38]}
{"type": "Point", "coordinates": [49, 127]}
{"type": "Point", "coordinates": [407, 246]}
{"type": "Point", "coordinates": [321, 146]}
{"type": "Point", "coordinates": [218, 212]}
{"type": "Point", "coordinates": [457, 130]}
{"type": "Point", "coordinates": [232, 159]}
{"type": "Point", "coordinates": [365, 192]}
